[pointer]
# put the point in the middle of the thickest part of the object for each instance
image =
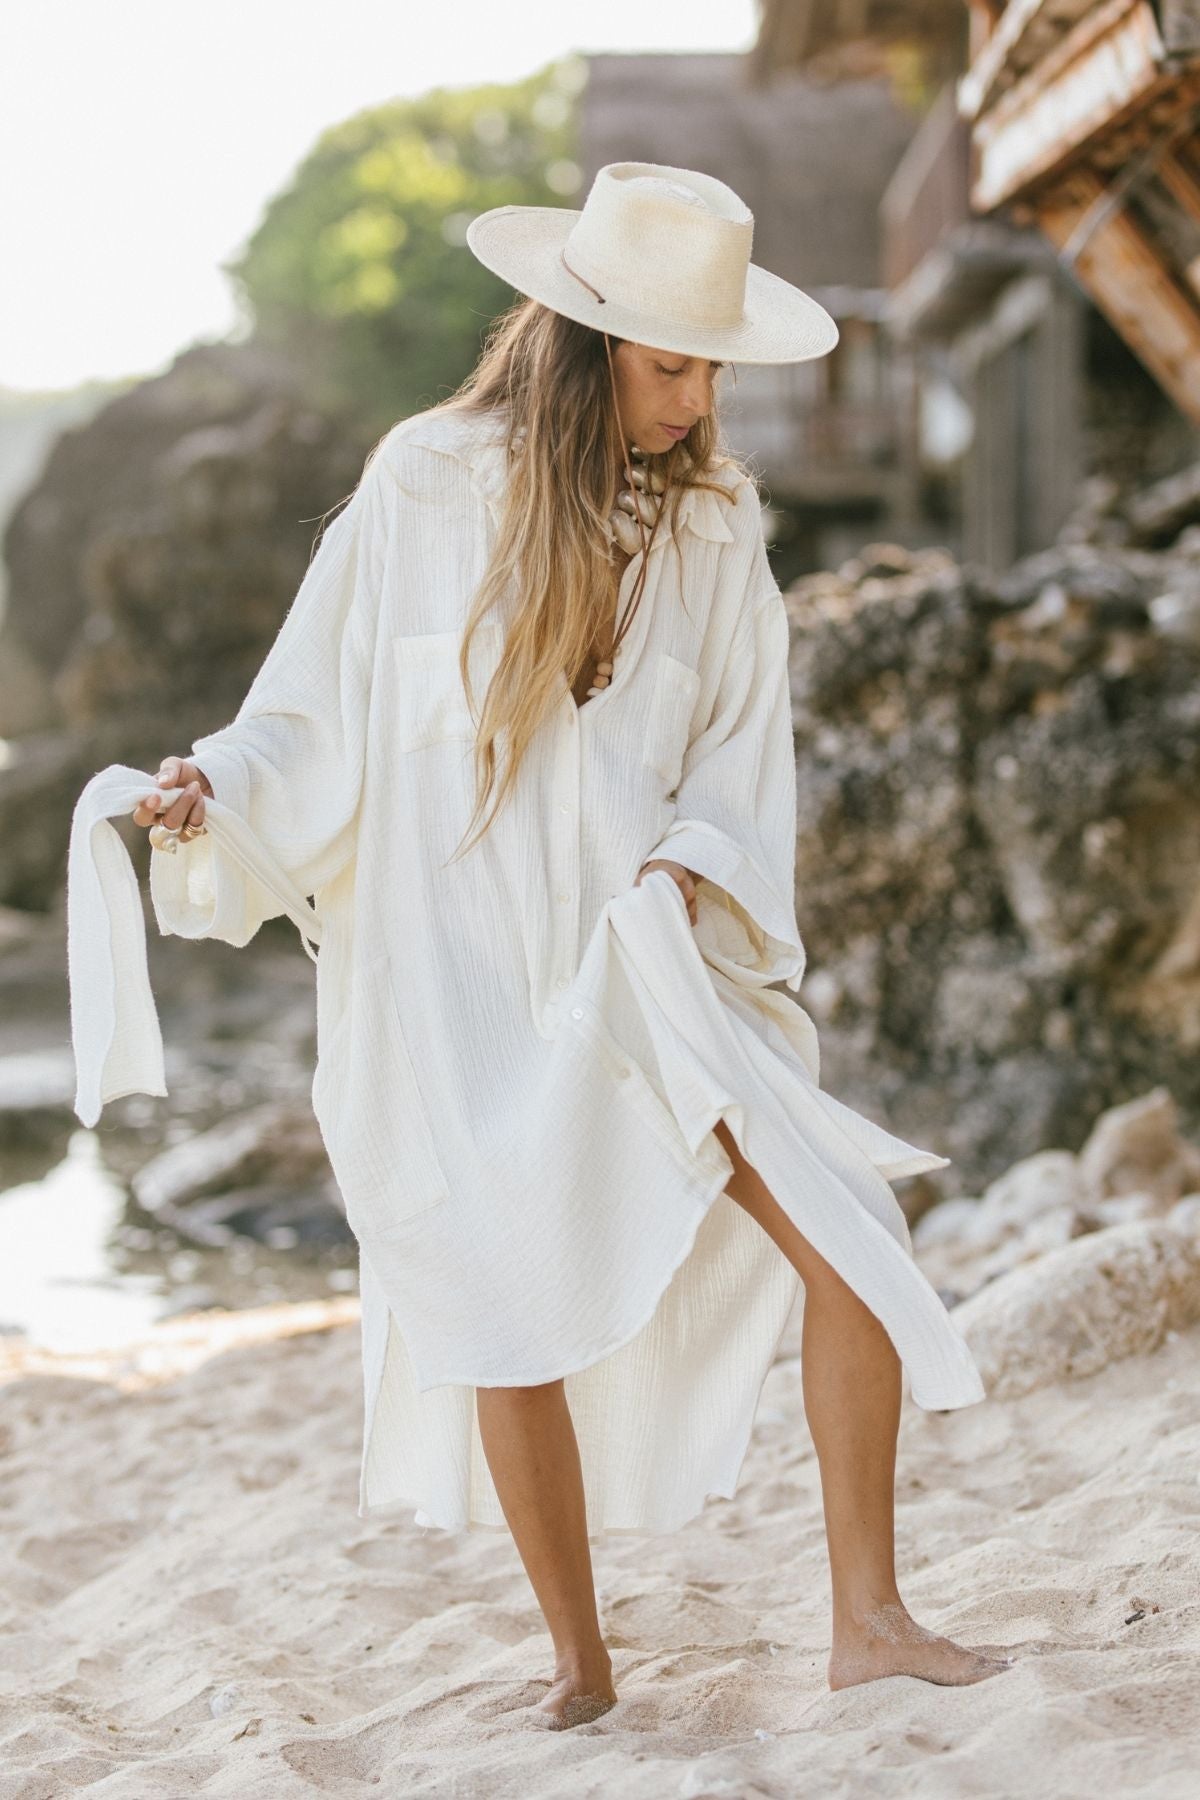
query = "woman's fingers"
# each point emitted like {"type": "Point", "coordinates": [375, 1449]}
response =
{"type": "Point", "coordinates": [680, 876]}
{"type": "Point", "coordinates": [186, 809]}
{"type": "Point", "coordinates": [146, 811]}
{"type": "Point", "coordinates": [180, 811]}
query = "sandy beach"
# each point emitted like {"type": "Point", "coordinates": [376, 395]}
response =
{"type": "Point", "coordinates": [190, 1604]}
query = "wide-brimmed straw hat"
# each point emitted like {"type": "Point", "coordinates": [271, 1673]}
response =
{"type": "Point", "coordinates": [660, 256]}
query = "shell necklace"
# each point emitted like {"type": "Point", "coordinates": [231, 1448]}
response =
{"type": "Point", "coordinates": [638, 505]}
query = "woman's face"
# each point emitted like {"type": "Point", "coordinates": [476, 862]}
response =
{"type": "Point", "coordinates": [660, 388]}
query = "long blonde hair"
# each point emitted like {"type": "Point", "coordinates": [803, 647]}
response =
{"type": "Point", "coordinates": [553, 377]}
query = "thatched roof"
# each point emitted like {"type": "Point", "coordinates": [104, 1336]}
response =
{"type": "Point", "coordinates": [801, 34]}
{"type": "Point", "coordinates": [810, 160]}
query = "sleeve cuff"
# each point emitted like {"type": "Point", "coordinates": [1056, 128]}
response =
{"type": "Point", "coordinates": [225, 767]}
{"type": "Point", "coordinates": [202, 891]}
{"type": "Point", "coordinates": [745, 927]}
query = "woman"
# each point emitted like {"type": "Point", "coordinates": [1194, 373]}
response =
{"type": "Point", "coordinates": [516, 725]}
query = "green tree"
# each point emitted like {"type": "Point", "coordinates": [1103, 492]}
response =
{"type": "Point", "coordinates": [360, 271]}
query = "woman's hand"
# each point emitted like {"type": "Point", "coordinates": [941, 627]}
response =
{"type": "Point", "coordinates": [683, 878]}
{"type": "Point", "coordinates": [188, 809]}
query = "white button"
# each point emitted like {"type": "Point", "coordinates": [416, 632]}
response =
{"type": "Point", "coordinates": [561, 981]}
{"type": "Point", "coordinates": [564, 896]}
{"type": "Point", "coordinates": [577, 1012]}
{"type": "Point", "coordinates": [564, 809]}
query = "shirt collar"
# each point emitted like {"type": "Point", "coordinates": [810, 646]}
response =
{"type": "Point", "coordinates": [479, 444]}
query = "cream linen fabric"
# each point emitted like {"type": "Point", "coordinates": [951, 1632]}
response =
{"type": "Point", "coordinates": [521, 1055]}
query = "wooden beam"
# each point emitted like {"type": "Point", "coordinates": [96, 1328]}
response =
{"type": "Point", "coordinates": [1109, 63]}
{"type": "Point", "coordinates": [1181, 184]}
{"type": "Point", "coordinates": [1128, 281]}
{"type": "Point", "coordinates": [1023, 32]}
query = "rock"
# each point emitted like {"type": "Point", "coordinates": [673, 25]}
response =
{"type": "Point", "coordinates": [877, 561]}
{"type": "Point", "coordinates": [1111, 1294]}
{"type": "Point", "coordinates": [1060, 1225]}
{"type": "Point", "coordinates": [279, 1214]}
{"type": "Point", "coordinates": [1159, 513]}
{"type": "Point", "coordinates": [1176, 614]}
{"type": "Point", "coordinates": [1036, 1185]}
{"type": "Point", "coordinates": [952, 1223]}
{"type": "Point", "coordinates": [1185, 1216]}
{"type": "Point", "coordinates": [259, 1174]}
{"type": "Point", "coordinates": [988, 1005]}
{"type": "Point", "coordinates": [1109, 583]}
{"type": "Point", "coordinates": [169, 531]}
{"type": "Point", "coordinates": [1123, 1208]}
{"type": "Point", "coordinates": [1098, 515]}
{"type": "Point", "coordinates": [1136, 1148]}
{"type": "Point", "coordinates": [207, 1161]}
{"type": "Point", "coordinates": [40, 780]}
{"type": "Point", "coordinates": [1033, 1207]}
{"type": "Point", "coordinates": [999, 793]}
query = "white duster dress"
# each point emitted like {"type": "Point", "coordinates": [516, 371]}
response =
{"type": "Point", "coordinates": [521, 1055]}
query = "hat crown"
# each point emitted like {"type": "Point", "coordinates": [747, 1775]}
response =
{"type": "Point", "coordinates": [666, 242]}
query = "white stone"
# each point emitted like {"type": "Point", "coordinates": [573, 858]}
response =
{"type": "Point", "coordinates": [1112, 1294]}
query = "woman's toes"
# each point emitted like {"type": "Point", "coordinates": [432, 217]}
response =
{"type": "Point", "coordinates": [891, 1642]}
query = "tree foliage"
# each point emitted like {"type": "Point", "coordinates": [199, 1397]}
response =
{"type": "Point", "coordinates": [360, 269]}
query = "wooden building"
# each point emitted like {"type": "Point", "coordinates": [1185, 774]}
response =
{"type": "Point", "coordinates": [1041, 236]}
{"type": "Point", "coordinates": [1083, 121]}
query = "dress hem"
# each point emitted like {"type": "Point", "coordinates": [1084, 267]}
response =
{"type": "Point", "coordinates": [587, 1361]}
{"type": "Point", "coordinates": [726, 1490]}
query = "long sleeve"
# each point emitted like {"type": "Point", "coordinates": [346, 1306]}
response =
{"type": "Point", "coordinates": [115, 1032]}
{"type": "Point", "coordinates": [291, 762]}
{"type": "Point", "coordinates": [735, 818]}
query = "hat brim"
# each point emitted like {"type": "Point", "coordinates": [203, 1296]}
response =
{"type": "Point", "coordinates": [780, 323]}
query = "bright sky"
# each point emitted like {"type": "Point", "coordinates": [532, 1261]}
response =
{"type": "Point", "coordinates": [140, 141]}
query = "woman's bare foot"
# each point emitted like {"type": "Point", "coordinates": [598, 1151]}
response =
{"type": "Point", "coordinates": [886, 1640]}
{"type": "Point", "coordinates": [577, 1696]}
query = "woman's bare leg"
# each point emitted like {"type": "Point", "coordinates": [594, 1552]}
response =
{"type": "Point", "coordinates": [851, 1381]}
{"type": "Point", "coordinates": [532, 1452]}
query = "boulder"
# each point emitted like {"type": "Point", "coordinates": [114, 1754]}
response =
{"type": "Point", "coordinates": [1068, 1313]}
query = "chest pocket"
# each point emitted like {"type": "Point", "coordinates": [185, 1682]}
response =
{"type": "Point", "coordinates": [668, 729]}
{"type": "Point", "coordinates": [431, 701]}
